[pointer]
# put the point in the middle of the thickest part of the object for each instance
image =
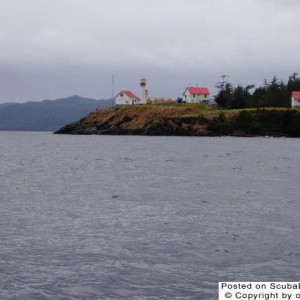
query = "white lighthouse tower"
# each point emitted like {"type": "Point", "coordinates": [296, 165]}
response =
{"type": "Point", "coordinates": [143, 91]}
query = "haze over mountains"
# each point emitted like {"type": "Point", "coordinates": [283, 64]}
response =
{"type": "Point", "coordinates": [47, 115]}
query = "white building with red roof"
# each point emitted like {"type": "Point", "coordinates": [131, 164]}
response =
{"type": "Point", "coordinates": [295, 99]}
{"type": "Point", "coordinates": [126, 98]}
{"type": "Point", "coordinates": [196, 95]}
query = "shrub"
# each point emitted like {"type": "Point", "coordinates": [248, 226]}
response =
{"type": "Point", "coordinates": [220, 125]}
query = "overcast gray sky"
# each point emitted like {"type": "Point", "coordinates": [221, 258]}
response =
{"type": "Point", "coordinates": [57, 48]}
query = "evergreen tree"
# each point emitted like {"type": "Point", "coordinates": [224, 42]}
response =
{"type": "Point", "coordinates": [241, 96]}
{"type": "Point", "coordinates": [225, 94]}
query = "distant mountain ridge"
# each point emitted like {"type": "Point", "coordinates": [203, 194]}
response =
{"type": "Point", "coordinates": [47, 115]}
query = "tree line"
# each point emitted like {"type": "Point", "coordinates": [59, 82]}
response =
{"type": "Point", "coordinates": [274, 93]}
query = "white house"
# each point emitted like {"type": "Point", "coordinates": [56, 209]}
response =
{"type": "Point", "coordinates": [295, 99]}
{"type": "Point", "coordinates": [126, 98]}
{"type": "Point", "coordinates": [196, 95]}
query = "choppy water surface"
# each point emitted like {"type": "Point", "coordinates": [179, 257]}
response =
{"type": "Point", "coordinates": [110, 217]}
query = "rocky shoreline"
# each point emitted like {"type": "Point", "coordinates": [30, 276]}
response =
{"type": "Point", "coordinates": [186, 121]}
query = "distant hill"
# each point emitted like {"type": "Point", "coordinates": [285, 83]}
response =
{"type": "Point", "coordinates": [48, 115]}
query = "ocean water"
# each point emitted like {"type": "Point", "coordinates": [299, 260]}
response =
{"type": "Point", "coordinates": [125, 217]}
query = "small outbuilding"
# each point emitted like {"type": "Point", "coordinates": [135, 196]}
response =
{"type": "Point", "coordinates": [295, 99]}
{"type": "Point", "coordinates": [126, 98]}
{"type": "Point", "coordinates": [196, 95]}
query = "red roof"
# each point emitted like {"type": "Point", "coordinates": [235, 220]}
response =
{"type": "Point", "coordinates": [130, 94]}
{"type": "Point", "coordinates": [197, 90]}
{"type": "Point", "coordinates": [296, 95]}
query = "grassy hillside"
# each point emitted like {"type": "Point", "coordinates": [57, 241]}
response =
{"type": "Point", "coordinates": [187, 119]}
